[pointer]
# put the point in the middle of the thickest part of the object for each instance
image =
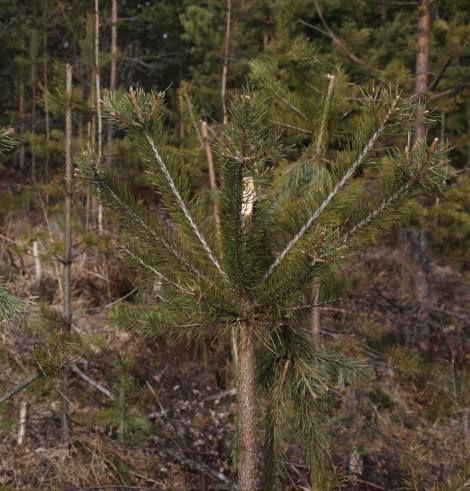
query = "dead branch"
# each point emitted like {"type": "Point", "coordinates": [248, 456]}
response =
{"type": "Point", "coordinates": [196, 466]}
{"type": "Point", "coordinates": [339, 43]}
{"type": "Point", "coordinates": [23, 420]}
{"type": "Point", "coordinates": [93, 383]}
{"type": "Point", "coordinates": [19, 387]}
{"type": "Point", "coordinates": [221, 395]}
{"type": "Point", "coordinates": [433, 85]}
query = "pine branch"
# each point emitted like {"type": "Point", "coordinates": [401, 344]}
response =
{"type": "Point", "coordinates": [342, 182]}
{"type": "Point", "coordinates": [157, 273]}
{"type": "Point", "coordinates": [127, 207]}
{"type": "Point", "coordinates": [384, 204]}
{"type": "Point", "coordinates": [324, 116]}
{"type": "Point", "coordinates": [7, 139]}
{"type": "Point", "coordinates": [140, 114]}
{"type": "Point", "coordinates": [11, 306]}
{"type": "Point", "coordinates": [183, 206]}
{"type": "Point", "coordinates": [427, 170]}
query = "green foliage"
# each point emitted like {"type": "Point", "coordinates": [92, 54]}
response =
{"type": "Point", "coordinates": [11, 306]}
{"type": "Point", "coordinates": [407, 363]}
{"type": "Point", "coordinates": [270, 258]}
{"type": "Point", "coordinates": [448, 222]}
{"type": "Point", "coordinates": [413, 460]}
{"type": "Point", "coordinates": [55, 348]}
{"type": "Point", "coordinates": [123, 416]}
{"type": "Point", "coordinates": [457, 482]}
{"type": "Point", "coordinates": [7, 140]}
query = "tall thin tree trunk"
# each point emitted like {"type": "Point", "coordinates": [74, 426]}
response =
{"type": "Point", "coordinates": [422, 64]}
{"type": "Point", "coordinates": [225, 66]}
{"type": "Point", "coordinates": [99, 120]}
{"type": "Point", "coordinates": [421, 267]}
{"type": "Point", "coordinates": [113, 73]}
{"type": "Point", "coordinates": [33, 120]}
{"type": "Point", "coordinates": [468, 137]}
{"type": "Point", "coordinates": [21, 111]}
{"type": "Point", "coordinates": [91, 200]}
{"type": "Point", "coordinates": [33, 57]}
{"type": "Point", "coordinates": [249, 472]}
{"type": "Point", "coordinates": [67, 306]}
{"type": "Point", "coordinates": [181, 111]}
{"type": "Point", "coordinates": [46, 88]}
{"type": "Point", "coordinates": [88, 198]}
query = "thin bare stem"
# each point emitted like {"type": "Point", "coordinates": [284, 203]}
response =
{"type": "Point", "coordinates": [225, 66]}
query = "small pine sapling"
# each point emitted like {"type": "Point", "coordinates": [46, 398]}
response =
{"type": "Point", "coordinates": [10, 306]}
{"type": "Point", "coordinates": [262, 281]}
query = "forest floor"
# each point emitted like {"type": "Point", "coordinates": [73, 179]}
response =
{"type": "Point", "coordinates": [162, 416]}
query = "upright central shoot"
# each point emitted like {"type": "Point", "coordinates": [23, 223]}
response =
{"type": "Point", "coordinates": [262, 278]}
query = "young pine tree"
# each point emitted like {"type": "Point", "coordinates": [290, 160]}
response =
{"type": "Point", "coordinates": [10, 306]}
{"type": "Point", "coordinates": [260, 281]}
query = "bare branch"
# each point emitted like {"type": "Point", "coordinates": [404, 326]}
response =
{"type": "Point", "coordinates": [20, 387]}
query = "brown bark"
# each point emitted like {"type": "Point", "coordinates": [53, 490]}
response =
{"type": "Point", "coordinates": [422, 64]}
{"type": "Point", "coordinates": [114, 19]}
{"type": "Point", "coordinates": [225, 66]}
{"type": "Point", "coordinates": [249, 452]}
{"type": "Point", "coordinates": [113, 72]}
{"type": "Point", "coordinates": [181, 110]}
{"type": "Point", "coordinates": [468, 134]}
{"type": "Point", "coordinates": [99, 119]}
{"type": "Point", "coordinates": [33, 117]}
{"type": "Point", "coordinates": [421, 329]}
{"type": "Point", "coordinates": [420, 335]}
{"type": "Point", "coordinates": [67, 305]}
{"type": "Point", "coordinates": [46, 88]}
{"type": "Point", "coordinates": [315, 320]}
{"type": "Point", "coordinates": [21, 111]}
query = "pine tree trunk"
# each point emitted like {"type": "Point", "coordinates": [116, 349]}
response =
{"type": "Point", "coordinates": [67, 306]}
{"type": "Point", "coordinates": [33, 119]}
{"type": "Point", "coordinates": [468, 135]}
{"type": "Point", "coordinates": [46, 88]}
{"type": "Point", "coordinates": [113, 74]}
{"type": "Point", "coordinates": [422, 63]}
{"type": "Point", "coordinates": [315, 313]}
{"type": "Point", "coordinates": [99, 120]}
{"type": "Point", "coordinates": [21, 111]}
{"type": "Point", "coordinates": [249, 472]}
{"type": "Point", "coordinates": [225, 67]}
{"type": "Point", "coordinates": [421, 331]}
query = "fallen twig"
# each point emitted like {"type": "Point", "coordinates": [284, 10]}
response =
{"type": "Point", "coordinates": [92, 382]}
{"type": "Point", "coordinates": [221, 395]}
{"type": "Point", "coordinates": [19, 387]}
{"type": "Point", "coordinates": [23, 420]}
{"type": "Point", "coordinates": [196, 466]}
